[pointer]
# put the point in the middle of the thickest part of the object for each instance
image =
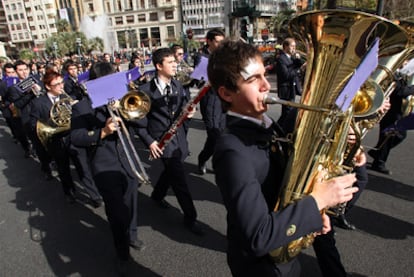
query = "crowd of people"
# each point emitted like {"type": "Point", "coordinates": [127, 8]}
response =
{"type": "Point", "coordinates": [248, 159]}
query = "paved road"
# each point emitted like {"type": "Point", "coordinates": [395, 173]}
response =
{"type": "Point", "coordinates": [41, 235]}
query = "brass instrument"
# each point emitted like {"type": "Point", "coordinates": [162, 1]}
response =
{"type": "Point", "coordinates": [408, 102]}
{"type": "Point", "coordinates": [134, 105]}
{"type": "Point", "coordinates": [383, 76]}
{"type": "Point", "coordinates": [60, 114]}
{"type": "Point", "coordinates": [183, 73]}
{"type": "Point", "coordinates": [336, 42]}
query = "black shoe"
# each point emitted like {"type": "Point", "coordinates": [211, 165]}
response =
{"type": "Point", "coordinates": [380, 168]}
{"type": "Point", "coordinates": [202, 168]}
{"type": "Point", "coordinates": [194, 227]}
{"type": "Point", "coordinates": [27, 154]}
{"type": "Point", "coordinates": [137, 244]}
{"type": "Point", "coordinates": [162, 203]}
{"type": "Point", "coordinates": [373, 153]}
{"type": "Point", "coordinates": [341, 222]}
{"type": "Point", "coordinates": [96, 203]}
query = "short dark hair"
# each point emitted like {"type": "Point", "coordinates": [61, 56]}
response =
{"type": "Point", "coordinates": [160, 54]}
{"type": "Point", "coordinates": [226, 63]}
{"type": "Point", "coordinates": [213, 33]}
{"type": "Point", "coordinates": [100, 69]}
{"type": "Point", "coordinates": [175, 47]}
{"type": "Point", "coordinates": [19, 62]}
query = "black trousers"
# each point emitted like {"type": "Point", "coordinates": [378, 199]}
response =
{"type": "Point", "coordinates": [59, 151]}
{"type": "Point", "coordinates": [19, 133]}
{"type": "Point", "coordinates": [386, 143]}
{"type": "Point", "coordinates": [81, 162]}
{"type": "Point", "coordinates": [41, 152]}
{"type": "Point", "coordinates": [213, 135]}
{"type": "Point", "coordinates": [328, 256]}
{"type": "Point", "coordinates": [119, 192]}
{"type": "Point", "coordinates": [174, 175]}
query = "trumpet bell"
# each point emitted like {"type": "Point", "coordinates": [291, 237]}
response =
{"type": "Point", "coordinates": [368, 99]}
{"type": "Point", "coordinates": [134, 105]}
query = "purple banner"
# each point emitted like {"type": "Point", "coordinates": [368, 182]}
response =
{"type": "Point", "coordinates": [11, 81]}
{"type": "Point", "coordinates": [133, 74]}
{"type": "Point", "coordinates": [361, 74]}
{"type": "Point", "coordinates": [83, 77]}
{"type": "Point", "coordinates": [106, 88]}
{"type": "Point", "coordinates": [200, 71]}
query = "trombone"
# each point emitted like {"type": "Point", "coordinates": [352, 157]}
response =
{"type": "Point", "coordinates": [133, 105]}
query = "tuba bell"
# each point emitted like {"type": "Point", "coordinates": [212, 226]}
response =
{"type": "Point", "coordinates": [384, 78]}
{"type": "Point", "coordinates": [60, 114]}
{"type": "Point", "coordinates": [336, 42]}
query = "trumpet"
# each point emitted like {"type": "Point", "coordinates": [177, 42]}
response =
{"type": "Point", "coordinates": [133, 106]}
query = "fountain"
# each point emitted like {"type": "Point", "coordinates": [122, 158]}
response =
{"type": "Point", "coordinates": [96, 26]}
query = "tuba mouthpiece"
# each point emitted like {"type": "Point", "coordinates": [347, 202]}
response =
{"type": "Point", "coordinates": [267, 99]}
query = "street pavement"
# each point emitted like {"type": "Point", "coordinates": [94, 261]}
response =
{"type": "Point", "coordinates": [42, 235]}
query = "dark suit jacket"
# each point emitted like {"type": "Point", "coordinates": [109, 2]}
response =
{"type": "Point", "coordinates": [249, 176]}
{"type": "Point", "coordinates": [22, 101]}
{"type": "Point", "coordinates": [4, 103]}
{"type": "Point", "coordinates": [73, 89]}
{"type": "Point", "coordinates": [159, 120]}
{"type": "Point", "coordinates": [288, 83]}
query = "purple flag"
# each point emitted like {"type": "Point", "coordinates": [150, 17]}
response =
{"type": "Point", "coordinates": [106, 88]}
{"type": "Point", "coordinates": [83, 77]}
{"type": "Point", "coordinates": [200, 71]}
{"type": "Point", "coordinates": [11, 81]}
{"type": "Point", "coordinates": [361, 74]}
{"type": "Point", "coordinates": [133, 74]}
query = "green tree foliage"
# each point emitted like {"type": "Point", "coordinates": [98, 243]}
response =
{"type": "Point", "coordinates": [26, 54]}
{"type": "Point", "coordinates": [279, 23]}
{"type": "Point", "coordinates": [67, 43]}
{"type": "Point", "coordinates": [63, 26]}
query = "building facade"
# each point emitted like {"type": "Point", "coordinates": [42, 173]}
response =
{"type": "Point", "coordinates": [30, 23]}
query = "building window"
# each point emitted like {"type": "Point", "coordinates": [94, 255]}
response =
{"type": "Point", "coordinates": [143, 37]}
{"type": "Point", "coordinates": [152, 4]}
{"type": "Point", "coordinates": [118, 20]}
{"type": "Point", "coordinates": [170, 32]}
{"type": "Point", "coordinates": [155, 36]}
{"type": "Point", "coordinates": [153, 16]}
{"type": "Point", "coordinates": [130, 19]}
{"type": "Point", "coordinates": [169, 14]}
{"type": "Point", "coordinates": [90, 7]}
{"type": "Point", "coordinates": [141, 17]}
{"type": "Point", "coordinates": [142, 6]}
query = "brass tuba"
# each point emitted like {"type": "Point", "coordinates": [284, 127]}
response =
{"type": "Point", "coordinates": [60, 114]}
{"type": "Point", "coordinates": [336, 42]}
{"type": "Point", "coordinates": [384, 79]}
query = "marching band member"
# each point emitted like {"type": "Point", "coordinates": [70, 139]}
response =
{"type": "Point", "coordinates": [94, 130]}
{"type": "Point", "coordinates": [249, 166]}
{"type": "Point", "coordinates": [58, 145]}
{"type": "Point", "coordinates": [168, 97]}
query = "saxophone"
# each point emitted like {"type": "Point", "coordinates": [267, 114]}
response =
{"type": "Point", "coordinates": [336, 42]}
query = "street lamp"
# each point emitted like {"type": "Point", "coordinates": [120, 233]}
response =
{"type": "Point", "coordinates": [55, 48]}
{"type": "Point", "coordinates": [78, 46]}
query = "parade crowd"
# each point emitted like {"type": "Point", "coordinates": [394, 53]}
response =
{"type": "Point", "coordinates": [52, 117]}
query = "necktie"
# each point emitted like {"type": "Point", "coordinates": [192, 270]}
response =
{"type": "Point", "coordinates": [168, 99]}
{"type": "Point", "coordinates": [55, 99]}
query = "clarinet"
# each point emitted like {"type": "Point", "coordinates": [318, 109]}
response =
{"type": "Point", "coordinates": [168, 136]}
